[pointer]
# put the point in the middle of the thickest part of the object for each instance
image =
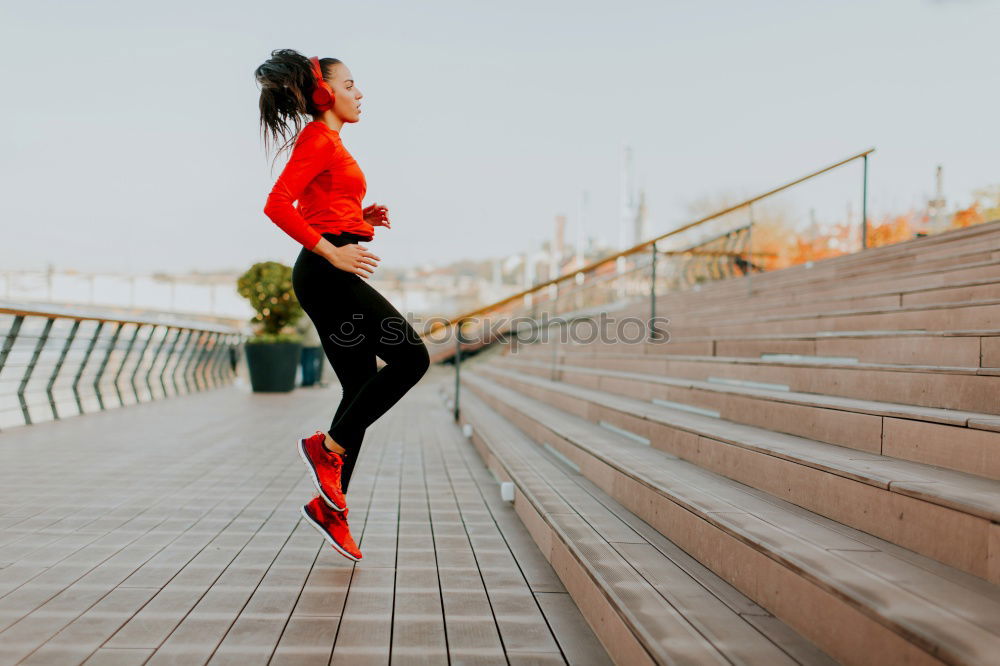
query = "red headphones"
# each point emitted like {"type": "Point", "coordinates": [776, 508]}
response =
{"type": "Point", "coordinates": [322, 94]}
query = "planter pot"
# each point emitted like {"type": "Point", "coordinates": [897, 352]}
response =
{"type": "Point", "coordinates": [272, 365]}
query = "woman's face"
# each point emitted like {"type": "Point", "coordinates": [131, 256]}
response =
{"type": "Point", "coordinates": [347, 103]}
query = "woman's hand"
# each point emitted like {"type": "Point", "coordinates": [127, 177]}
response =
{"type": "Point", "coordinates": [353, 258]}
{"type": "Point", "coordinates": [377, 216]}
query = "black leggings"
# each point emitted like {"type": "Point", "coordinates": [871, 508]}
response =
{"type": "Point", "coordinates": [356, 323]}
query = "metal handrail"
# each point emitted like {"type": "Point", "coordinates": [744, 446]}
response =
{"type": "Point", "coordinates": [48, 365]}
{"type": "Point", "coordinates": [650, 244]}
{"type": "Point", "coordinates": [55, 311]}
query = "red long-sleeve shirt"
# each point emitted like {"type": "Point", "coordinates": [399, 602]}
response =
{"type": "Point", "coordinates": [328, 184]}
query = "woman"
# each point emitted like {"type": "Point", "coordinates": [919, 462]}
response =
{"type": "Point", "coordinates": [355, 322]}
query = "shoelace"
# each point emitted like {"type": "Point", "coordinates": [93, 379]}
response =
{"type": "Point", "coordinates": [336, 516]}
{"type": "Point", "coordinates": [335, 461]}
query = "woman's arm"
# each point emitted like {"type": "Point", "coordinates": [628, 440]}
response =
{"type": "Point", "coordinates": [309, 158]}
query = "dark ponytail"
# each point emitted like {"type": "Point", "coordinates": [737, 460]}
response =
{"type": "Point", "coordinates": [286, 85]}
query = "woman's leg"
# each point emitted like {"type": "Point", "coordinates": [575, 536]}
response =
{"type": "Point", "coordinates": [353, 366]}
{"type": "Point", "coordinates": [356, 322]}
{"type": "Point", "coordinates": [323, 292]}
{"type": "Point", "coordinates": [380, 330]}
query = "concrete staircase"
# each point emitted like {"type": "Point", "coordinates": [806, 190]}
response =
{"type": "Point", "coordinates": [808, 471]}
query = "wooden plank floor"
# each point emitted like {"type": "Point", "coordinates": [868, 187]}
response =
{"type": "Point", "coordinates": [170, 533]}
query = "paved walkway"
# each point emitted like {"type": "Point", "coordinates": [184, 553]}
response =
{"type": "Point", "coordinates": [170, 533]}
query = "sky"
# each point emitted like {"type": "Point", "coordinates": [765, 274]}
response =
{"type": "Point", "coordinates": [130, 137]}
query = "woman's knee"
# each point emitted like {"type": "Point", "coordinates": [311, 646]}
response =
{"type": "Point", "coordinates": [418, 361]}
{"type": "Point", "coordinates": [423, 359]}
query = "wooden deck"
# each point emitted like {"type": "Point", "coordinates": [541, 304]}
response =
{"type": "Point", "coordinates": [170, 533]}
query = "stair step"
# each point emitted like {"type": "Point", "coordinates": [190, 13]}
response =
{"type": "Point", "coordinates": [904, 291]}
{"type": "Point", "coordinates": [647, 600]}
{"type": "Point", "coordinates": [936, 387]}
{"type": "Point", "coordinates": [940, 513]}
{"type": "Point", "coordinates": [939, 316]}
{"type": "Point", "coordinates": [967, 348]}
{"type": "Point", "coordinates": [959, 440]}
{"type": "Point", "coordinates": [859, 598]}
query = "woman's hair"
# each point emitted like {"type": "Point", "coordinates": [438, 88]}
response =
{"type": "Point", "coordinates": [286, 86]}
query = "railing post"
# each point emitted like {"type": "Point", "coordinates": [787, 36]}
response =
{"type": "Point", "coordinates": [218, 374]}
{"type": "Point", "coordinates": [749, 258]}
{"type": "Point", "coordinates": [128, 352]}
{"type": "Point", "coordinates": [104, 363]}
{"type": "Point", "coordinates": [58, 367]}
{"type": "Point", "coordinates": [180, 358]}
{"type": "Point", "coordinates": [199, 361]}
{"type": "Point", "coordinates": [458, 365]}
{"type": "Point", "coordinates": [652, 296]}
{"type": "Point", "coordinates": [225, 366]}
{"type": "Point", "coordinates": [167, 361]}
{"type": "Point", "coordinates": [213, 361]}
{"type": "Point", "coordinates": [864, 204]}
{"type": "Point", "coordinates": [219, 358]}
{"type": "Point", "coordinates": [8, 343]}
{"type": "Point", "coordinates": [199, 339]}
{"type": "Point", "coordinates": [39, 346]}
{"type": "Point", "coordinates": [135, 370]}
{"type": "Point", "coordinates": [152, 364]}
{"type": "Point", "coordinates": [555, 352]}
{"type": "Point", "coordinates": [198, 373]}
{"type": "Point", "coordinates": [83, 364]}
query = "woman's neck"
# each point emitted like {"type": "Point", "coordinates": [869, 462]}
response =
{"type": "Point", "coordinates": [331, 120]}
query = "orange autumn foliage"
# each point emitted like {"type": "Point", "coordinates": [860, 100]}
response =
{"type": "Point", "coordinates": [776, 245]}
{"type": "Point", "coordinates": [968, 217]}
{"type": "Point", "coordinates": [894, 229]}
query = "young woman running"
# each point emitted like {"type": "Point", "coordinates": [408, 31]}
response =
{"type": "Point", "coordinates": [356, 323]}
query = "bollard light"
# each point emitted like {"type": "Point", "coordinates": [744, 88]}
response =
{"type": "Point", "coordinates": [507, 491]}
{"type": "Point", "coordinates": [467, 430]}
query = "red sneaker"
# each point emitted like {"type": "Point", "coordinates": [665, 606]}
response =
{"type": "Point", "coordinates": [325, 466]}
{"type": "Point", "coordinates": [333, 525]}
